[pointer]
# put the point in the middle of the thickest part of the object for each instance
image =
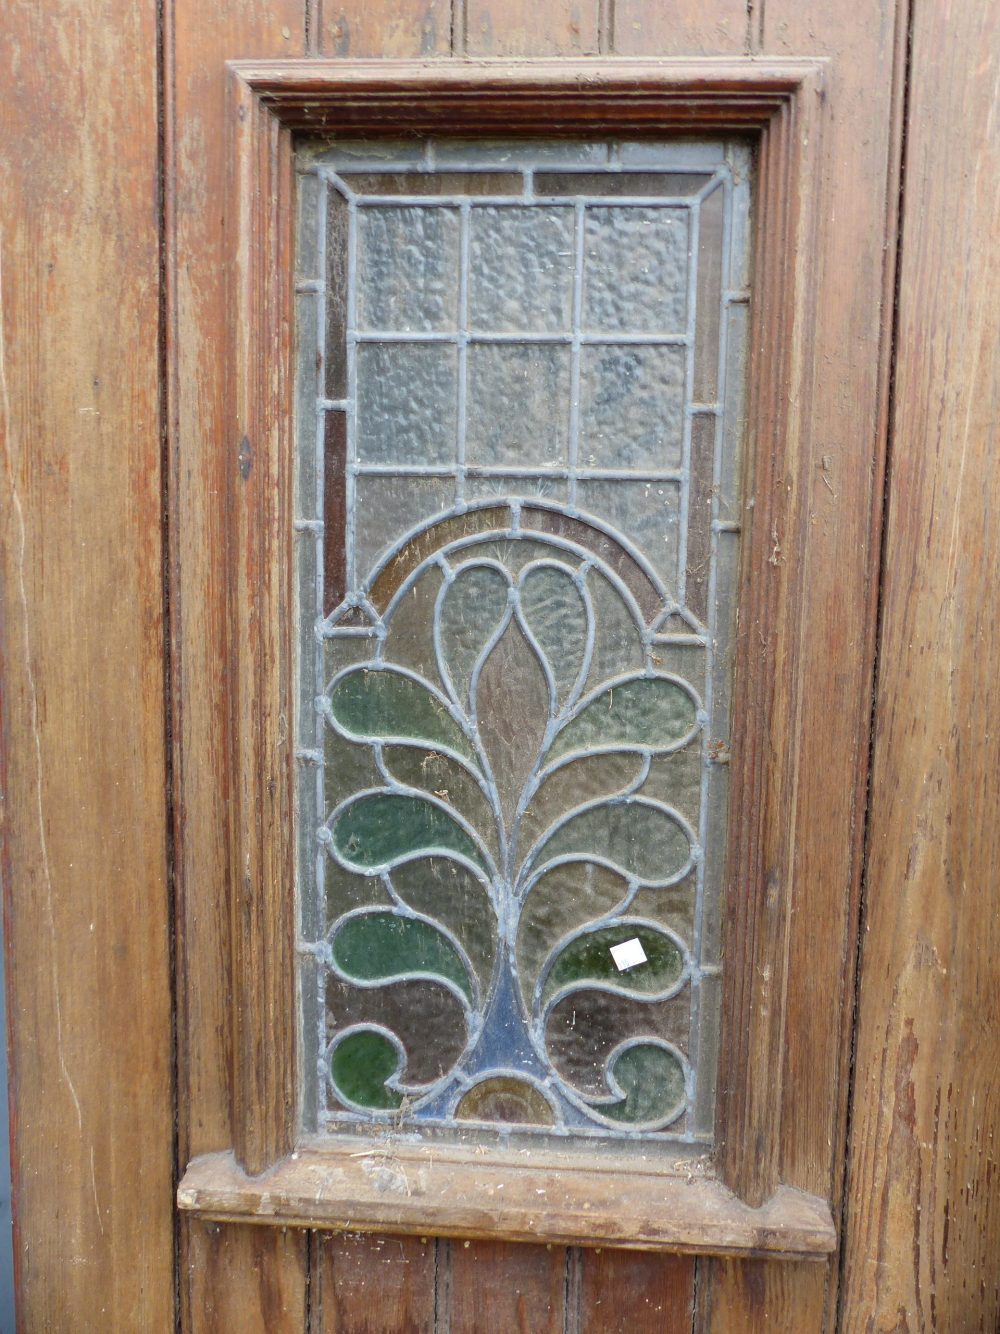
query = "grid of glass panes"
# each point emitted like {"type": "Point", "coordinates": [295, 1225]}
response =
{"type": "Point", "coordinates": [519, 413]}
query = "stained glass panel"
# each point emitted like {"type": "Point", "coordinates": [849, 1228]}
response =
{"type": "Point", "coordinates": [519, 469]}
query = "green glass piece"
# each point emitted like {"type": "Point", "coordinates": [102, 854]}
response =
{"type": "Point", "coordinates": [378, 946]}
{"type": "Point", "coordinates": [445, 778]}
{"type": "Point", "coordinates": [579, 781]}
{"type": "Point", "coordinates": [639, 840]}
{"type": "Point", "coordinates": [360, 1065]}
{"type": "Point", "coordinates": [648, 711]}
{"type": "Point", "coordinates": [562, 900]}
{"type": "Point", "coordinates": [652, 1080]}
{"type": "Point", "coordinates": [372, 704]}
{"type": "Point", "coordinates": [385, 827]}
{"type": "Point", "coordinates": [471, 610]}
{"type": "Point", "coordinates": [451, 894]}
{"type": "Point", "coordinates": [588, 958]}
{"type": "Point", "coordinates": [675, 777]}
{"type": "Point", "coordinates": [618, 647]}
{"type": "Point", "coordinates": [555, 614]}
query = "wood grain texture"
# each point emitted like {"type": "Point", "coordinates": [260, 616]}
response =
{"type": "Point", "coordinates": [512, 29]}
{"type": "Point", "coordinates": [842, 414]}
{"type": "Point", "coordinates": [83, 837]}
{"type": "Point", "coordinates": [389, 28]}
{"type": "Point", "coordinates": [240, 1280]}
{"type": "Point", "coordinates": [496, 1285]}
{"type": "Point", "coordinates": [264, 1014]}
{"type": "Point", "coordinates": [631, 1293]}
{"type": "Point", "coordinates": [923, 1230]}
{"type": "Point", "coordinates": [413, 1188]}
{"type": "Point", "coordinates": [198, 40]}
{"type": "Point", "coordinates": [755, 1297]}
{"type": "Point", "coordinates": [832, 532]}
{"type": "Point", "coordinates": [373, 1285]}
{"type": "Point", "coordinates": [680, 28]}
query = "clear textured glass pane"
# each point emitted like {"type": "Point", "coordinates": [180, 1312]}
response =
{"type": "Point", "coordinates": [635, 270]}
{"type": "Point", "coordinates": [387, 507]}
{"type": "Point", "coordinates": [408, 268]}
{"type": "Point", "coordinates": [521, 269]}
{"type": "Point", "coordinates": [647, 513]}
{"type": "Point", "coordinates": [407, 394]}
{"type": "Point", "coordinates": [632, 407]}
{"type": "Point", "coordinates": [513, 737]}
{"type": "Point", "coordinates": [518, 404]}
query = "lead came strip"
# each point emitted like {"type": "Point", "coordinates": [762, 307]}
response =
{"type": "Point", "coordinates": [517, 719]}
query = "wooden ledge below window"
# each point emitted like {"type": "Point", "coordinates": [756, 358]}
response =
{"type": "Point", "coordinates": [513, 1195]}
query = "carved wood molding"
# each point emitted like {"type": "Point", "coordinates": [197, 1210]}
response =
{"type": "Point", "coordinates": [779, 103]}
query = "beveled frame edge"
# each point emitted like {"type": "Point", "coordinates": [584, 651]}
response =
{"type": "Point", "coordinates": [269, 101]}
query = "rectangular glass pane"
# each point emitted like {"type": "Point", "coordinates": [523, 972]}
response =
{"type": "Point", "coordinates": [519, 488]}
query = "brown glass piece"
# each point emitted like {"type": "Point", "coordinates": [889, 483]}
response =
{"type": "Point", "coordinates": [575, 530]}
{"type": "Point", "coordinates": [585, 1027]}
{"type": "Point", "coordinates": [699, 532]}
{"type": "Point", "coordinates": [430, 540]}
{"type": "Point", "coordinates": [337, 215]}
{"type": "Point", "coordinates": [706, 334]}
{"type": "Point", "coordinates": [630, 183]}
{"type": "Point", "coordinates": [334, 509]}
{"type": "Point", "coordinates": [471, 183]}
{"type": "Point", "coordinates": [434, 772]}
{"type": "Point", "coordinates": [426, 1018]}
{"type": "Point", "coordinates": [511, 710]}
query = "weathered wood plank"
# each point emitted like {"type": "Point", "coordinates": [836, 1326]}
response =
{"type": "Point", "coordinates": [199, 145]}
{"type": "Point", "coordinates": [86, 903]}
{"type": "Point", "coordinates": [841, 414]}
{"type": "Point", "coordinates": [755, 1297]}
{"type": "Point", "coordinates": [489, 1194]}
{"type": "Point", "coordinates": [250, 1280]}
{"type": "Point", "coordinates": [680, 28]}
{"type": "Point", "coordinates": [495, 1285]}
{"type": "Point", "coordinates": [923, 1233]}
{"type": "Point", "coordinates": [627, 1292]}
{"type": "Point", "coordinates": [388, 28]}
{"type": "Point", "coordinates": [198, 41]}
{"type": "Point", "coordinates": [517, 28]}
{"type": "Point", "coordinates": [373, 1285]}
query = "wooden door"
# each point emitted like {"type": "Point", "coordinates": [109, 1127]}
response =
{"type": "Point", "coordinates": [116, 676]}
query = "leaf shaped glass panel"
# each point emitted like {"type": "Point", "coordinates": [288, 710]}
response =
{"type": "Point", "coordinates": [516, 563]}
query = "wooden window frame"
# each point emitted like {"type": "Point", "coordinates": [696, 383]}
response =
{"type": "Point", "coordinates": [737, 1205]}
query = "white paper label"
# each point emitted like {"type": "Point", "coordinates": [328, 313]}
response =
{"type": "Point", "coordinates": [628, 954]}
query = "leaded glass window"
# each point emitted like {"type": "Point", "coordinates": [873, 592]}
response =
{"type": "Point", "coordinates": [519, 420]}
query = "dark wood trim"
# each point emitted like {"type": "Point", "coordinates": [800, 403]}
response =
{"type": "Point", "coordinates": [262, 906]}
{"type": "Point", "coordinates": [778, 102]}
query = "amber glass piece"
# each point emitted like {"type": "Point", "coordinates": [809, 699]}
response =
{"type": "Point", "coordinates": [506, 1100]}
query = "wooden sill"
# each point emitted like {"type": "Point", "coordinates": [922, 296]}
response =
{"type": "Point", "coordinates": [519, 1195]}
